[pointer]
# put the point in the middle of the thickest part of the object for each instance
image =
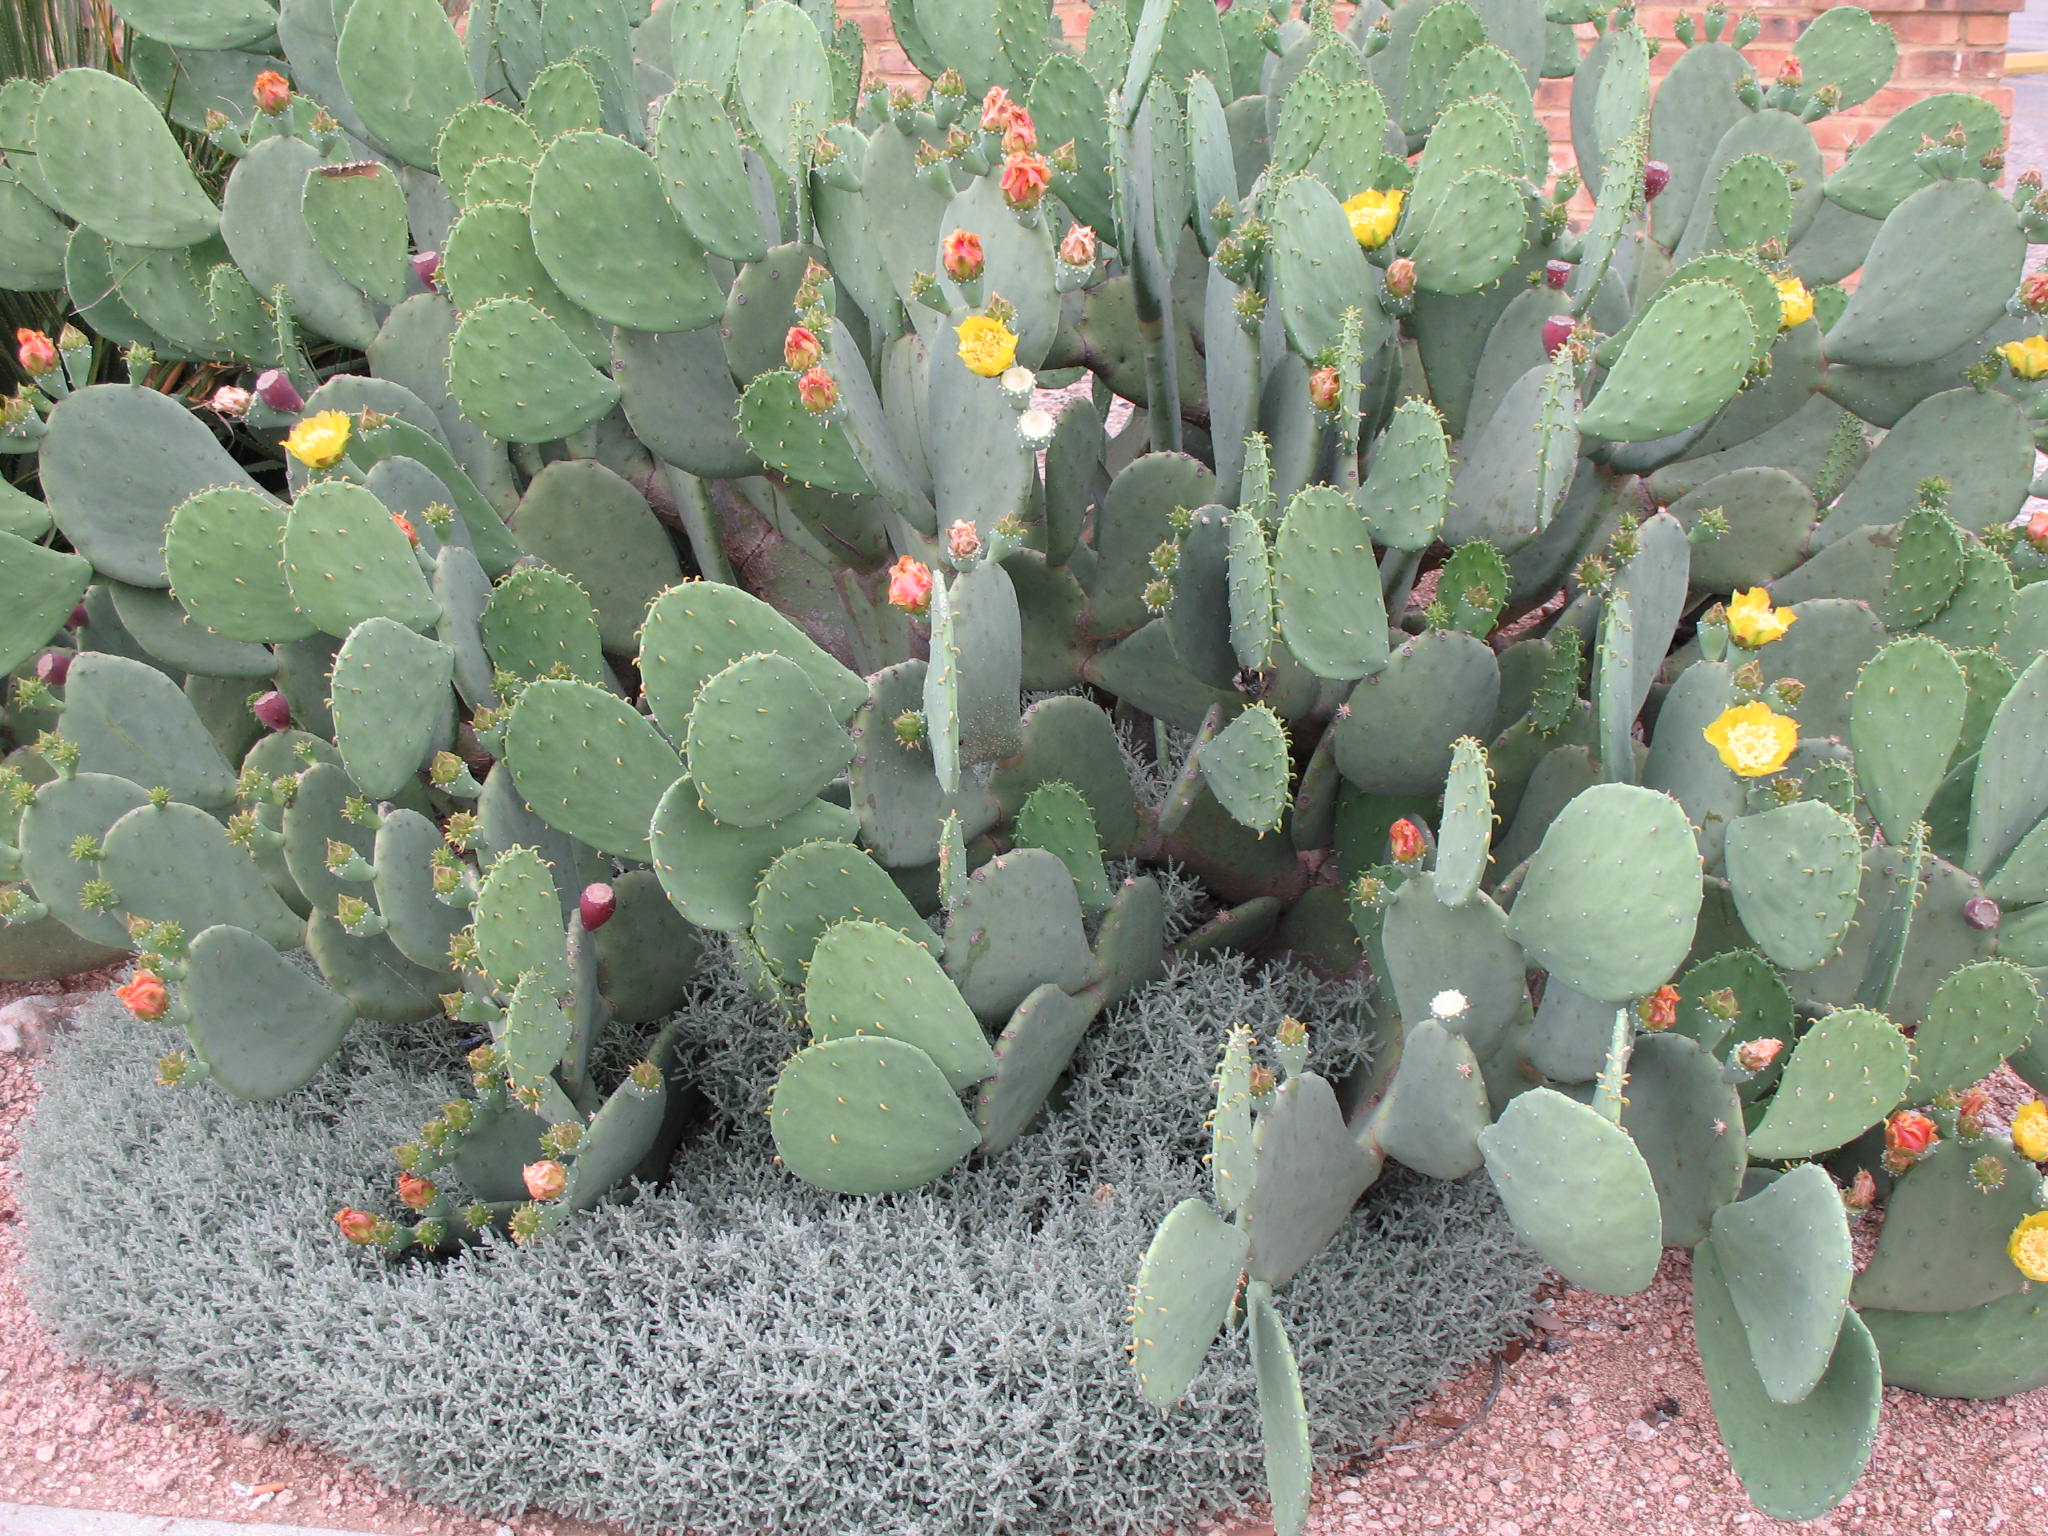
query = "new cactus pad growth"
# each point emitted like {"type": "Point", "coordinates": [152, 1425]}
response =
{"type": "Point", "coordinates": [1613, 639]}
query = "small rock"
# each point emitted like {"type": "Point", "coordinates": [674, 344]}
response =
{"type": "Point", "coordinates": [46, 1454]}
{"type": "Point", "coordinates": [1556, 1439]}
{"type": "Point", "coordinates": [27, 1023]}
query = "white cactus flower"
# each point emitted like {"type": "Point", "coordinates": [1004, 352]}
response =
{"type": "Point", "coordinates": [1035, 427]}
{"type": "Point", "coordinates": [1448, 1004]}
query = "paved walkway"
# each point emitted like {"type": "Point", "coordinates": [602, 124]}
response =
{"type": "Point", "coordinates": [32, 1520]}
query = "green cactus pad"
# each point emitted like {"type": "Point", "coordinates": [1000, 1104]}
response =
{"type": "Point", "coordinates": [1283, 1417]}
{"type": "Point", "coordinates": [1796, 1460]}
{"type": "Point", "coordinates": [869, 979]}
{"type": "Point", "coordinates": [864, 1115]}
{"type": "Point", "coordinates": [420, 923]}
{"type": "Point", "coordinates": [130, 720]}
{"type": "Point", "coordinates": [604, 229]}
{"type": "Point", "coordinates": [647, 955]}
{"type": "Point", "coordinates": [1613, 893]}
{"type": "Point", "coordinates": [1569, 1039]}
{"type": "Point", "coordinates": [114, 507]}
{"type": "Point", "coordinates": [1927, 568]}
{"type": "Point", "coordinates": [261, 1024]}
{"type": "Point", "coordinates": [1432, 948]}
{"type": "Point", "coordinates": [532, 1036]}
{"type": "Point", "coordinates": [1978, 1016]}
{"type": "Point", "coordinates": [1230, 1123]}
{"type": "Point", "coordinates": [111, 160]}
{"type": "Point", "coordinates": [2010, 796]}
{"type": "Point", "coordinates": [784, 82]}
{"type": "Point", "coordinates": [1395, 735]}
{"type": "Point", "coordinates": [1845, 1074]}
{"type": "Point", "coordinates": [356, 216]}
{"type": "Point", "coordinates": [1795, 872]}
{"type": "Point", "coordinates": [698, 629]}
{"type": "Point", "coordinates": [784, 435]}
{"type": "Point", "coordinates": [1253, 613]}
{"type": "Point", "coordinates": [1958, 239]}
{"type": "Point", "coordinates": [1018, 927]}
{"type": "Point", "coordinates": [1943, 1247]}
{"type": "Point", "coordinates": [1685, 361]}
{"type": "Point", "coordinates": [1130, 945]}
{"type": "Point", "coordinates": [347, 561]}
{"type": "Point", "coordinates": [517, 374]}
{"type": "Point", "coordinates": [1247, 769]}
{"type": "Point", "coordinates": [1318, 267]}
{"type": "Point", "coordinates": [1308, 1172]}
{"type": "Point", "coordinates": [518, 922]}
{"type": "Point", "coordinates": [810, 887]}
{"type": "Point", "coordinates": [1883, 172]}
{"type": "Point", "coordinates": [1133, 518]}
{"type": "Point", "coordinates": [681, 402]}
{"type": "Point", "coordinates": [174, 863]}
{"type": "Point", "coordinates": [1070, 739]}
{"type": "Point", "coordinates": [1184, 1291]}
{"type": "Point", "coordinates": [1030, 1055]}
{"type": "Point", "coordinates": [1436, 1106]}
{"type": "Point", "coordinates": [1326, 585]}
{"type": "Point", "coordinates": [403, 69]}
{"type": "Point", "coordinates": [83, 805]}
{"type": "Point", "coordinates": [1577, 1191]}
{"type": "Point", "coordinates": [389, 698]}
{"type": "Point", "coordinates": [224, 554]}
{"type": "Point", "coordinates": [896, 794]}
{"type": "Point", "coordinates": [710, 869]}
{"type": "Point", "coordinates": [44, 586]}
{"type": "Point", "coordinates": [1977, 441]}
{"type": "Point", "coordinates": [1055, 817]}
{"type": "Point", "coordinates": [314, 819]}
{"type": "Point", "coordinates": [1785, 1260]}
{"type": "Point", "coordinates": [481, 131]}
{"type": "Point", "coordinates": [1995, 1350]}
{"type": "Point", "coordinates": [1466, 836]}
{"type": "Point", "coordinates": [539, 623]}
{"type": "Point", "coordinates": [1687, 1122]}
{"type": "Point", "coordinates": [699, 157]}
{"type": "Point", "coordinates": [762, 742]}
{"type": "Point", "coordinates": [589, 764]}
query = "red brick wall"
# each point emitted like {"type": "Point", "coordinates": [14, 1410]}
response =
{"type": "Point", "coordinates": [1944, 45]}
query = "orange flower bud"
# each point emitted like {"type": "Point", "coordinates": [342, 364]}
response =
{"type": "Point", "coordinates": [1406, 840]}
{"type": "Point", "coordinates": [1019, 133]}
{"type": "Point", "coordinates": [2037, 530]}
{"type": "Point", "coordinates": [1324, 389]}
{"type": "Point", "coordinates": [272, 91]}
{"type": "Point", "coordinates": [1025, 178]}
{"type": "Point", "coordinates": [961, 254]}
{"type": "Point", "coordinates": [996, 108]}
{"type": "Point", "coordinates": [545, 1180]}
{"type": "Point", "coordinates": [963, 540]}
{"type": "Point", "coordinates": [416, 1192]}
{"type": "Point", "coordinates": [1078, 246]}
{"type": "Point", "coordinates": [817, 391]}
{"type": "Point", "coordinates": [1910, 1133]}
{"type": "Point", "coordinates": [1755, 1055]}
{"type": "Point", "coordinates": [801, 349]}
{"type": "Point", "coordinates": [2034, 291]}
{"type": "Point", "coordinates": [412, 534]}
{"type": "Point", "coordinates": [910, 585]}
{"type": "Point", "coordinates": [1401, 277]}
{"type": "Point", "coordinates": [36, 353]}
{"type": "Point", "coordinates": [144, 996]}
{"type": "Point", "coordinates": [1660, 1008]}
{"type": "Point", "coordinates": [1862, 1192]}
{"type": "Point", "coordinates": [356, 1226]}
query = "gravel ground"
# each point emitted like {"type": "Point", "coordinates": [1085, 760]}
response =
{"type": "Point", "coordinates": [1600, 1428]}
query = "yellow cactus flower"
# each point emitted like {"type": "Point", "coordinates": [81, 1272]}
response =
{"type": "Point", "coordinates": [1753, 739]}
{"type": "Point", "coordinates": [1754, 622]}
{"type": "Point", "coordinates": [1795, 304]}
{"type": "Point", "coordinates": [2028, 1247]}
{"type": "Point", "coordinates": [987, 346]}
{"type": "Point", "coordinates": [2028, 359]}
{"type": "Point", "coordinates": [320, 440]}
{"type": "Point", "coordinates": [1373, 216]}
{"type": "Point", "coordinates": [2030, 1131]}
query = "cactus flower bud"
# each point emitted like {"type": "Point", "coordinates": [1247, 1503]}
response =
{"type": "Point", "coordinates": [356, 1226]}
{"type": "Point", "coordinates": [426, 266]}
{"type": "Point", "coordinates": [801, 350]}
{"type": "Point", "coordinates": [144, 996]}
{"type": "Point", "coordinates": [1557, 274]}
{"type": "Point", "coordinates": [1790, 72]}
{"type": "Point", "coordinates": [996, 108]}
{"type": "Point", "coordinates": [412, 534]}
{"type": "Point", "coordinates": [910, 585]}
{"type": "Point", "coordinates": [416, 1192]}
{"type": "Point", "coordinates": [273, 710]}
{"type": "Point", "coordinates": [52, 667]}
{"type": "Point", "coordinates": [1755, 1055]}
{"type": "Point", "coordinates": [545, 1180]}
{"type": "Point", "coordinates": [1656, 177]}
{"type": "Point", "coordinates": [1025, 179]}
{"type": "Point", "coordinates": [34, 350]}
{"type": "Point", "coordinates": [274, 387]}
{"type": "Point", "coordinates": [230, 400]}
{"type": "Point", "coordinates": [1910, 1133]}
{"type": "Point", "coordinates": [1405, 838]}
{"type": "Point", "coordinates": [1557, 330]}
{"type": "Point", "coordinates": [1987, 1173]}
{"type": "Point", "coordinates": [1972, 1104]}
{"type": "Point", "coordinates": [2034, 291]}
{"type": "Point", "coordinates": [272, 91]}
{"type": "Point", "coordinates": [2037, 531]}
{"type": "Point", "coordinates": [1660, 1009]}
{"type": "Point", "coordinates": [596, 906]}
{"type": "Point", "coordinates": [1401, 277]}
{"type": "Point", "coordinates": [1020, 134]}
{"type": "Point", "coordinates": [1262, 1081]}
{"type": "Point", "coordinates": [963, 540]}
{"type": "Point", "coordinates": [1861, 1192]}
{"type": "Point", "coordinates": [909, 728]}
{"type": "Point", "coordinates": [1324, 389]}
{"type": "Point", "coordinates": [817, 390]}
{"type": "Point", "coordinates": [1078, 247]}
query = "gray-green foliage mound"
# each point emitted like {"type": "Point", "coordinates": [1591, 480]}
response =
{"type": "Point", "coordinates": [737, 1352]}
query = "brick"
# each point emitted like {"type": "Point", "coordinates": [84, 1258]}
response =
{"type": "Point", "coordinates": [1931, 28]}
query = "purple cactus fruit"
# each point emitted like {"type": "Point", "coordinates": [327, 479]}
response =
{"type": "Point", "coordinates": [426, 266]}
{"type": "Point", "coordinates": [1656, 177]}
{"type": "Point", "coordinates": [273, 710]}
{"type": "Point", "coordinates": [1557, 273]}
{"type": "Point", "coordinates": [596, 905]}
{"type": "Point", "coordinates": [1982, 914]}
{"type": "Point", "coordinates": [1556, 331]}
{"type": "Point", "coordinates": [52, 667]}
{"type": "Point", "coordinates": [78, 618]}
{"type": "Point", "coordinates": [275, 389]}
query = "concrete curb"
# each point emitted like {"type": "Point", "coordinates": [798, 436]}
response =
{"type": "Point", "coordinates": [42, 1520]}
